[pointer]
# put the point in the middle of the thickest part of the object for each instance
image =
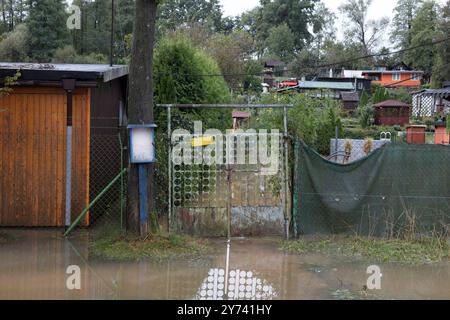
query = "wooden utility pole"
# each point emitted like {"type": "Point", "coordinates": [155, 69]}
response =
{"type": "Point", "coordinates": [140, 103]}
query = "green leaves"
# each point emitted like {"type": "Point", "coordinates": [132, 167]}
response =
{"type": "Point", "coordinates": [179, 72]}
{"type": "Point", "coordinates": [47, 29]}
{"type": "Point", "coordinates": [423, 30]}
{"type": "Point", "coordinates": [280, 42]}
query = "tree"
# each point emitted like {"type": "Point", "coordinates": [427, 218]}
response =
{"type": "Point", "coordinates": [359, 29]}
{"type": "Point", "coordinates": [424, 30]}
{"type": "Point", "coordinates": [181, 74]}
{"type": "Point", "coordinates": [13, 13]}
{"type": "Point", "coordinates": [303, 65]}
{"type": "Point", "coordinates": [280, 43]}
{"type": "Point", "coordinates": [47, 29]}
{"type": "Point", "coordinates": [68, 54]}
{"type": "Point", "coordinates": [230, 52]}
{"type": "Point", "coordinates": [175, 13]}
{"type": "Point", "coordinates": [345, 53]}
{"type": "Point", "coordinates": [297, 15]}
{"type": "Point", "coordinates": [405, 12]}
{"type": "Point", "coordinates": [325, 28]}
{"type": "Point", "coordinates": [248, 22]}
{"type": "Point", "coordinates": [441, 69]}
{"type": "Point", "coordinates": [252, 80]}
{"type": "Point", "coordinates": [387, 59]}
{"type": "Point", "coordinates": [124, 27]}
{"type": "Point", "coordinates": [95, 33]}
{"type": "Point", "coordinates": [14, 46]}
{"type": "Point", "coordinates": [140, 101]}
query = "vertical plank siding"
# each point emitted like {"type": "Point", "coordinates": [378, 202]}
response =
{"type": "Point", "coordinates": [33, 156]}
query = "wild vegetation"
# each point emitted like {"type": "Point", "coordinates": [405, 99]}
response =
{"type": "Point", "coordinates": [396, 250]}
{"type": "Point", "coordinates": [118, 245]}
{"type": "Point", "coordinates": [5, 237]}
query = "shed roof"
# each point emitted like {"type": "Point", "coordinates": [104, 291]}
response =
{"type": "Point", "coordinates": [274, 63]}
{"type": "Point", "coordinates": [56, 72]}
{"type": "Point", "coordinates": [325, 85]}
{"type": "Point", "coordinates": [241, 114]}
{"type": "Point", "coordinates": [391, 103]}
{"type": "Point", "coordinates": [350, 96]}
{"type": "Point", "coordinates": [393, 71]}
{"type": "Point", "coordinates": [443, 92]}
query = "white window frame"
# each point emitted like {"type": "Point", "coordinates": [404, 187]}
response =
{"type": "Point", "coordinates": [396, 76]}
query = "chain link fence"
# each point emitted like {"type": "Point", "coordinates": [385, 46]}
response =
{"type": "Point", "coordinates": [108, 159]}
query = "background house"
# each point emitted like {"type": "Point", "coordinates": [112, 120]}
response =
{"type": "Point", "coordinates": [350, 100]}
{"type": "Point", "coordinates": [397, 76]}
{"type": "Point", "coordinates": [319, 89]}
{"type": "Point", "coordinates": [392, 112]}
{"type": "Point", "coordinates": [394, 78]}
{"type": "Point", "coordinates": [272, 68]}
{"type": "Point", "coordinates": [430, 102]}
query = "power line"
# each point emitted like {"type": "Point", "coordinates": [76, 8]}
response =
{"type": "Point", "coordinates": [323, 66]}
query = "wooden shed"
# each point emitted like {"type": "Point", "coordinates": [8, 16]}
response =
{"type": "Point", "coordinates": [47, 126]}
{"type": "Point", "coordinates": [392, 112]}
{"type": "Point", "coordinates": [350, 100]}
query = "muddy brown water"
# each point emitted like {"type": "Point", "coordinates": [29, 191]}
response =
{"type": "Point", "coordinates": [33, 266]}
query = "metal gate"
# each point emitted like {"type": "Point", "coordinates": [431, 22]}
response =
{"type": "Point", "coordinates": [228, 183]}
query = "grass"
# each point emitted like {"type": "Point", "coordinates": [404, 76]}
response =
{"type": "Point", "coordinates": [123, 247]}
{"type": "Point", "coordinates": [419, 251]}
{"type": "Point", "coordinates": [5, 237]}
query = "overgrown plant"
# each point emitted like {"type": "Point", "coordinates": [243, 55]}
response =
{"type": "Point", "coordinates": [9, 82]}
{"type": "Point", "coordinates": [368, 146]}
{"type": "Point", "coordinates": [366, 115]}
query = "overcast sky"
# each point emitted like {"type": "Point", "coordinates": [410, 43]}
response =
{"type": "Point", "coordinates": [378, 9]}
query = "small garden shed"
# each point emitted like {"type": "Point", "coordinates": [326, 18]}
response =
{"type": "Point", "coordinates": [49, 126]}
{"type": "Point", "coordinates": [392, 112]}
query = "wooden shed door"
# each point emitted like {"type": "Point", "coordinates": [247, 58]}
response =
{"type": "Point", "coordinates": [33, 156]}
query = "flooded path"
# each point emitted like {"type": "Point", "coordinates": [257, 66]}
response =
{"type": "Point", "coordinates": [33, 266]}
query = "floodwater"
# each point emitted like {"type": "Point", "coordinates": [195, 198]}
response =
{"type": "Point", "coordinates": [33, 266]}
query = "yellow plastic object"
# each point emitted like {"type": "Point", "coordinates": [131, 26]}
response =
{"type": "Point", "coordinates": [202, 142]}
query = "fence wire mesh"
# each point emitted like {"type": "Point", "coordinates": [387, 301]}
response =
{"type": "Point", "coordinates": [108, 159]}
{"type": "Point", "coordinates": [200, 189]}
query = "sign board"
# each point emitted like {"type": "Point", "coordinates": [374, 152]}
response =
{"type": "Point", "coordinates": [142, 143]}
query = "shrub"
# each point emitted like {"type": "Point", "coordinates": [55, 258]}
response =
{"type": "Point", "coordinates": [366, 116]}
{"type": "Point", "coordinates": [14, 45]}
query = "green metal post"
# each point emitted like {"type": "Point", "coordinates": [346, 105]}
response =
{"type": "Point", "coordinates": [121, 182]}
{"type": "Point", "coordinates": [296, 187]}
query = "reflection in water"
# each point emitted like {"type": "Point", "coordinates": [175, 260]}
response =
{"type": "Point", "coordinates": [34, 267]}
{"type": "Point", "coordinates": [234, 285]}
{"type": "Point", "coordinates": [241, 285]}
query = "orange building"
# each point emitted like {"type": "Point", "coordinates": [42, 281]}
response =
{"type": "Point", "coordinates": [394, 78]}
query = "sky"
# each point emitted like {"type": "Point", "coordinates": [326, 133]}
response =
{"type": "Point", "coordinates": [379, 8]}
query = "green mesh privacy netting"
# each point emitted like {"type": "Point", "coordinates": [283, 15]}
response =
{"type": "Point", "coordinates": [398, 187]}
